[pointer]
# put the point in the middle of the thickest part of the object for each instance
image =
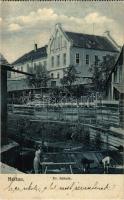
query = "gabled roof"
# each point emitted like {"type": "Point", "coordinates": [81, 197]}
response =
{"type": "Point", "coordinates": [91, 41]}
{"type": "Point", "coordinates": [32, 55]}
{"type": "Point", "coordinates": [119, 87]}
{"type": "Point", "coordinates": [3, 60]}
{"type": "Point", "coordinates": [8, 67]}
{"type": "Point", "coordinates": [120, 61]}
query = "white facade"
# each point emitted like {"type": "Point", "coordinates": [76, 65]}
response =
{"type": "Point", "coordinates": [86, 60]}
{"type": "Point", "coordinates": [58, 54]}
{"type": "Point", "coordinates": [27, 67]}
{"type": "Point", "coordinates": [61, 53]}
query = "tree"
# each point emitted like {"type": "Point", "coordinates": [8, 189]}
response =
{"type": "Point", "coordinates": [100, 72]}
{"type": "Point", "coordinates": [40, 77]}
{"type": "Point", "coordinates": [70, 76]}
{"type": "Point", "coordinates": [98, 141]}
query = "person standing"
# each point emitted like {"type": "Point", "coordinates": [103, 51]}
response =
{"type": "Point", "coordinates": [37, 160]}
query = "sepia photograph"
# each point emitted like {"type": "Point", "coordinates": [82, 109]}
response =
{"type": "Point", "coordinates": [62, 87]}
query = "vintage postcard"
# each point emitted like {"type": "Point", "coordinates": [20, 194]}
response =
{"type": "Point", "coordinates": [62, 99]}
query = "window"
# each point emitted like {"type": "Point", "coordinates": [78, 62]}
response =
{"type": "Point", "coordinates": [22, 69]}
{"type": "Point", "coordinates": [120, 73]}
{"type": "Point", "coordinates": [52, 61]}
{"type": "Point", "coordinates": [104, 58]}
{"type": "Point", "coordinates": [52, 75]}
{"type": "Point", "coordinates": [58, 60]}
{"type": "Point", "coordinates": [52, 46]}
{"type": "Point", "coordinates": [77, 58]}
{"type": "Point", "coordinates": [44, 63]}
{"type": "Point", "coordinates": [28, 68]}
{"type": "Point", "coordinates": [59, 42]}
{"type": "Point", "coordinates": [96, 60]}
{"type": "Point", "coordinates": [87, 59]}
{"type": "Point", "coordinates": [35, 67]}
{"type": "Point", "coordinates": [64, 59]}
{"type": "Point", "coordinates": [53, 83]}
{"type": "Point", "coordinates": [8, 74]}
{"type": "Point", "coordinates": [65, 44]}
{"type": "Point", "coordinates": [58, 75]}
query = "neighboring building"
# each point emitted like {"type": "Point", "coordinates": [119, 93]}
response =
{"type": "Point", "coordinates": [29, 61]}
{"type": "Point", "coordinates": [116, 78]}
{"type": "Point", "coordinates": [65, 49]}
{"type": "Point", "coordinates": [77, 49]}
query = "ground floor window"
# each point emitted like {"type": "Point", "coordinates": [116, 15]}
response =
{"type": "Point", "coordinates": [58, 75]}
{"type": "Point", "coordinates": [96, 60]}
{"type": "Point", "coordinates": [53, 83]}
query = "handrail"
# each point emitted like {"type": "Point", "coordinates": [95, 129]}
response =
{"type": "Point", "coordinates": [61, 163]}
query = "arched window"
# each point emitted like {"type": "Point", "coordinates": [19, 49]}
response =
{"type": "Point", "coordinates": [58, 75]}
{"type": "Point", "coordinates": [52, 75]}
{"type": "Point", "coordinates": [64, 59]}
{"type": "Point", "coordinates": [58, 60]}
{"type": "Point", "coordinates": [52, 61]}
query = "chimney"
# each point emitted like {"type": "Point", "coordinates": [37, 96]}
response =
{"type": "Point", "coordinates": [58, 25]}
{"type": "Point", "coordinates": [35, 47]}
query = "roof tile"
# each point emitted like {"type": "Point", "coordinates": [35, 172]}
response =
{"type": "Point", "coordinates": [91, 41]}
{"type": "Point", "coordinates": [32, 55]}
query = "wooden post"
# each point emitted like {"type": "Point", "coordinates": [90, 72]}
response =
{"type": "Point", "coordinates": [3, 106]}
{"type": "Point", "coordinates": [121, 110]}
